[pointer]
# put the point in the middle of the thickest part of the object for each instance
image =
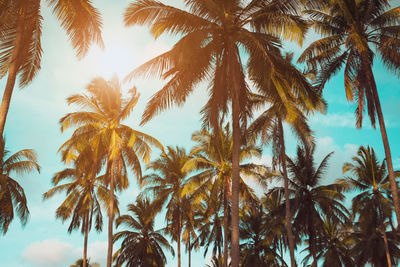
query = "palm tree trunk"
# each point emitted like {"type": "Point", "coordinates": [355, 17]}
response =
{"type": "Point", "coordinates": [12, 74]}
{"type": "Point", "coordinates": [226, 221]}
{"type": "Point", "coordinates": [110, 216]}
{"type": "Point", "coordinates": [235, 179]}
{"type": "Point", "coordinates": [389, 262]}
{"type": "Point", "coordinates": [190, 250]}
{"type": "Point", "coordinates": [287, 200]}
{"type": "Point", "coordinates": [388, 154]}
{"type": "Point", "coordinates": [85, 242]}
{"type": "Point", "coordinates": [179, 244]}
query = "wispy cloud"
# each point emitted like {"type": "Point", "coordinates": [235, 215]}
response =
{"type": "Point", "coordinates": [55, 253]}
{"type": "Point", "coordinates": [334, 120]}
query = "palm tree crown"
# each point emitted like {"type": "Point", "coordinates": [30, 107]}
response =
{"type": "Point", "coordinates": [99, 124]}
{"type": "Point", "coordinates": [20, 38]}
{"type": "Point", "coordinates": [142, 247]}
{"type": "Point", "coordinates": [12, 195]}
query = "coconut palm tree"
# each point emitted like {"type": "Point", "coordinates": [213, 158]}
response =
{"type": "Point", "coordinates": [211, 34]}
{"type": "Point", "coordinates": [166, 185]}
{"type": "Point", "coordinates": [12, 195]}
{"type": "Point", "coordinates": [372, 206]}
{"type": "Point", "coordinates": [190, 222]}
{"type": "Point", "coordinates": [212, 158]}
{"type": "Point", "coordinates": [20, 38]}
{"type": "Point", "coordinates": [142, 246]}
{"type": "Point", "coordinates": [334, 245]}
{"type": "Point", "coordinates": [99, 124]}
{"type": "Point", "coordinates": [85, 193]}
{"type": "Point", "coordinates": [350, 30]}
{"type": "Point", "coordinates": [79, 263]}
{"type": "Point", "coordinates": [292, 110]}
{"type": "Point", "coordinates": [310, 201]}
{"type": "Point", "coordinates": [257, 247]}
{"type": "Point", "coordinates": [210, 229]}
{"type": "Point", "coordinates": [269, 125]}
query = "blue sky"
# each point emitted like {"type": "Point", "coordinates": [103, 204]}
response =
{"type": "Point", "coordinates": [33, 123]}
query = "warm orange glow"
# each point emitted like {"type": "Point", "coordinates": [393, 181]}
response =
{"type": "Point", "coordinates": [114, 59]}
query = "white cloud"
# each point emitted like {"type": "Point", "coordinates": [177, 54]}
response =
{"type": "Point", "coordinates": [50, 252]}
{"type": "Point", "coordinates": [55, 253]}
{"type": "Point", "coordinates": [334, 120]}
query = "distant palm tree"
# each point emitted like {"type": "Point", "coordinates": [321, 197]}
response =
{"type": "Point", "coordinates": [84, 195]}
{"type": "Point", "coordinates": [350, 29]}
{"type": "Point", "coordinates": [334, 245]}
{"type": "Point", "coordinates": [190, 223]}
{"type": "Point", "coordinates": [212, 158]}
{"type": "Point", "coordinates": [215, 262]}
{"type": "Point", "coordinates": [301, 99]}
{"type": "Point", "coordinates": [211, 34]}
{"type": "Point", "coordinates": [310, 201]}
{"type": "Point", "coordinates": [12, 195]}
{"type": "Point", "coordinates": [79, 263]}
{"type": "Point", "coordinates": [99, 123]}
{"type": "Point", "coordinates": [372, 207]}
{"type": "Point", "coordinates": [210, 228]}
{"type": "Point", "coordinates": [166, 184]}
{"type": "Point", "coordinates": [257, 248]}
{"type": "Point", "coordinates": [20, 38]}
{"type": "Point", "coordinates": [142, 247]}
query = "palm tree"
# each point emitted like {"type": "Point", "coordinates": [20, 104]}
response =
{"type": "Point", "coordinates": [210, 229]}
{"type": "Point", "coordinates": [99, 124]}
{"type": "Point", "coordinates": [84, 195]}
{"type": "Point", "coordinates": [190, 222]}
{"type": "Point", "coordinates": [257, 247]}
{"type": "Point", "coordinates": [301, 99]}
{"type": "Point", "coordinates": [311, 201]}
{"type": "Point", "coordinates": [20, 38]}
{"type": "Point", "coordinates": [166, 185]}
{"type": "Point", "coordinates": [334, 245]}
{"type": "Point", "coordinates": [12, 195]}
{"type": "Point", "coordinates": [80, 262]}
{"type": "Point", "coordinates": [212, 156]}
{"type": "Point", "coordinates": [212, 32]}
{"type": "Point", "coordinates": [274, 205]}
{"type": "Point", "coordinates": [142, 247]}
{"type": "Point", "coordinates": [350, 29]}
{"type": "Point", "coordinates": [372, 204]}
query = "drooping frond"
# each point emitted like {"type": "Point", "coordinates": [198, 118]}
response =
{"type": "Point", "coordinates": [82, 22]}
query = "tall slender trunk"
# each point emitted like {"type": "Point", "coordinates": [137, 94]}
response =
{"type": "Point", "coordinates": [389, 262]}
{"type": "Point", "coordinates": [179, 224]}
{"type": "Point", "coordinates": [12, 74]}
{"type": "Point", "coordinates": [85, 242]}
{"type": "Point", "coordinates": [110, 216]}
{"type": "Point", "coordinates": [226, 221]}
{"type": "Point", "coordinates": [388, 155]}
{"type": "Point", "coordinates": [179, 243]}
{"type": "Point", "coordinates": [235, 179]}
{"type": "Point", "coordinates": [287, 200]}
{"type": "Point", "coordinates": [190, 251]}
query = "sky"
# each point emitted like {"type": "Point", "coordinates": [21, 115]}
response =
{"type": "Point", "coordinates": [35, 111]}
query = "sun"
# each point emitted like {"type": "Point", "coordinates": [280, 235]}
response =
{"type": "Point", "coordinates": [114, 59]}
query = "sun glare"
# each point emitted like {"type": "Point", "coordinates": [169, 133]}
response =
{"type": "Point", "coordinates": [114, 59]}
